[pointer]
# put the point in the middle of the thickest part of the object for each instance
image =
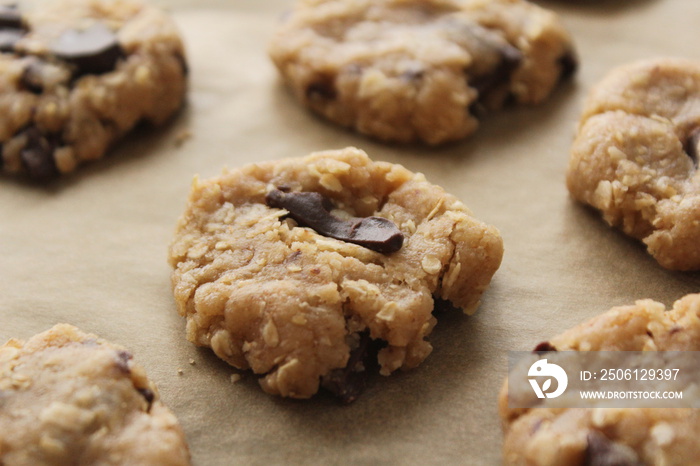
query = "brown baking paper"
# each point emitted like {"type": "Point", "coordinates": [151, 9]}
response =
{"type": "Point", "coordinates": [91, 250]}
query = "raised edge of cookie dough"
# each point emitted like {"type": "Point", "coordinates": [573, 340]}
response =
{"type": "Point", "coordinates": [635, 157]}
{"type": "Point", "coordinates": [67, 397]}
{"type": "Point", "coordinates": [607, 436]}
{"type": "Point", "coordinates": [77, 75]}
{"type": "Point", "coordinates": [301, 307]}
{"type": "Point", "coordinates": [420, 70]}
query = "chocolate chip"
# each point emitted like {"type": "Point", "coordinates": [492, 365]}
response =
{"type": "Point", "coordinates": [692, 145]}
{"type": "Point", "coordinates": [510, 58]}
{"type": "Point", "coordinates": [8, 39]}
{"type": "Point", "coordinates": [148, 395]}
{"type": "Point", "coordinates": [313, 210]}
{"type": "Point", "coordinates": [536, 426]}
{"type": "Point", "coordinates": [31, 77]}
{"type": "Point", "coordinates": [94, 50]}
{"type": "Point", "coordinates": [412, 76]}
{"type": "Point", "coordinates": [443, 305]}
{"type": "Point", "coordinates": [12, 27]}
{"type": "Point", "coordinates": [601, 451]}
{"type": "Point", "coordinates": [568, 64]}
{"type": "Point", "coordinates": [37, 155]}
{"type": "Point", "coordinates": [544, 347]}
{"type": "Point", "coordinates": [122, 361]}
{"type": "Point", "coordinates": [349, 382]}
{"type": "Point", "coordinates": [10, 17]}
{"type": "Point", "coordinates": [322, 89]}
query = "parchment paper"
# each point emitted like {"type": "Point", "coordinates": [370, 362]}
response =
{"type": "Point", "coordinates": [91, 250]}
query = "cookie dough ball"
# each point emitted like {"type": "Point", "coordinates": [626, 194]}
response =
{"type": "Point", "coordinates": [77, 75]}
{"type": "Point", "coordinates": [612, 436]}
{"type": "Point", "coordinates": [636, 153]}
{"type": "Point", "coordinates": [291, 268]}
{"type": "Point", "coordinates": [67, 397]}
{"type": "Point", "coordinates": [419, 70]}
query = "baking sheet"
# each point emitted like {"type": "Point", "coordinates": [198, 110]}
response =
{"type": "Point", "coordinates": [91, 250]}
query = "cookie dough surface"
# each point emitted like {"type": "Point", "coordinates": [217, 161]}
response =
{"type": "Point", "coordinates": [417, 70]}
{"type": "Point", "coordinates": [76, 75]}
{"type": "Point", "coordinates": [289, 303]}
{"type": "Point", "coordinates": [67, 397]}
{"type": "Point", "coordinates": [607, 436]}
{"type": "Point", "coordinates": [635, 156]}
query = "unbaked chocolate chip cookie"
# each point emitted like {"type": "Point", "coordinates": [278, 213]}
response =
{"type": "Point", "coordinates": [307, 270]}
{"type": "Point", "coordinates": [635, 157]}
{"type": "Point", "coordinates": [420, 70]}
{"type": "Point", "coordinates": [67, 397]}
{"type": "Point", "coordinates": [612, 436]}
{"type": "Point", "coordinates": [76, 75]}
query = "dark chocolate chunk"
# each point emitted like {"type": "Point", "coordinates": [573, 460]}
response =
{"type": "Point", "coordinates": [544, 347]}
{"type": "Point", "coordinates": [148, 395]}
{"type": "Point", "coordinates": [31, 77]}
{"type": "Point", "coordinates": [37, 155]}
{"type": "Point", "coordinates": [8, 39]}
{"type": "Point", "coordinates": [536, 426]}
{"type": "Point", "coordinates": [94, 50]}
{"type": "Point", "coordinates": [568, 64]}
{"type": "Point", "coordinates": [10, 17]}
{"type": "Point", "coordinates": [313, 210]}
{"type": "Point", "coordinates": [322, 89]}
{"type": "Point", "coordinates": [510, 58]}
{"type": "Point", "coordinates": [692, 145]}
{"type": "Point", "coordinates": [123, 358]}
{"type": "Point", "coordinates": [412, 76]}
{"type": "Point", "coordinates": [12, 27]}
{"type": "Point", "coordinates": [349, 382]}
{"type": "Point", "coordinates": [601, 451]}
{"type": "Point", "coordinates": [443, 305]}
